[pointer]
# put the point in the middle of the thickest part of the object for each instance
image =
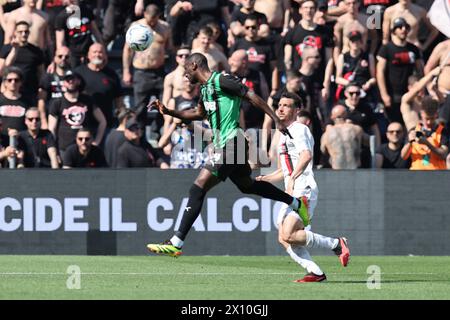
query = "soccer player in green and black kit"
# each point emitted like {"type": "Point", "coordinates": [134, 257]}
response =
{"type": "Point", "coordinates": [220, 102]}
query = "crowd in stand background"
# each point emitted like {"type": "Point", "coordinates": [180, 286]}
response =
{"type": "Point", "coordinates": [373, 75]}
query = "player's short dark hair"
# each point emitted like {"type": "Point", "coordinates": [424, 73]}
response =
{"type": "Point", "coordinates": [298, 103]}
{"type": "Point", "coordinates": [206, 30]}
{"type": "Point", "coordinates": [12, 69]}
{"type": "Point", "coordinates": [305, 114]}
{"type": "Point", "coordinates": [21, 22]}
{"type": "Point", "coordinates": [430, 106]}
{"type": "Point", "coordinates": [199, 59]}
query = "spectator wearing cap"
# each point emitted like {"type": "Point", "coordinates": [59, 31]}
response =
{"type": "Point", "coordinates": [84, 154]}
{"type": "Point", "coordinates": [13, 104]}
{"type": "Point", "coordinates": [116, 137]}
{"type": "Point", "coordinates": [414, 15]}
{"type": "Point", "coordinates": [135, 152]}
{"type": "Point", "coordinates": [101, 83]}
{"type": "Point", "coordinates": [51, 84]}
{"type": "Point", "coordinates": [355, 65]}
{"type": "Point", "coordinates": [74, 111]}
{"type": "Point", "coordinates": [397, 60]}
{"type": "Point", "coordinates": [26, 56]}
{"type": "Point", "coordinates": [353, 20]}
{"type": "Point", "coordinates": [38, 144]}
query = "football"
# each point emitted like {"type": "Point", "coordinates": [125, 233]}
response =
{"type": "Point", "coordinates": [139, 37]}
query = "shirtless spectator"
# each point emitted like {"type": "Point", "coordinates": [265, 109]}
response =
{"type": "Point", "coordinates": [50, 85]}
{"type": "Point", "coordinates": [37, 19]}
{"type": "Point", "coordinates": [277, 14]}
{"type": "Point", "coordinates": [174, 81]}
{"type": "Point", "coordinates": [214, 44]}
{"type": "Point", "coordinates": [412, 100]}
{"type": "Point", "coordinates": [353, 20]}
{"type": "Point", "coordinates": [441, 57]}
{"type": "Point", "coordinates": [397, 61]}
{"type": "Point", "coordinates": [217, 61]}
{"type": "Point", "coordinates": [238, 19]}
{"type": "Point", "coordinates": [148, 65]}
{"type": "Point", "coordinates": [342, 141]}
{"type": "Point", "coordinates": [388, 155]}
{"type": "Point", "coordinates": [414, 15]}
{"type": "Point", "coordinates": [76, 32]}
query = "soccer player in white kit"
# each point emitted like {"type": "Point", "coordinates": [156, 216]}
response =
{"type": "Point", "coordinates": [295, 166]}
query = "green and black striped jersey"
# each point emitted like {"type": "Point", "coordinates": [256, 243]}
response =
{"type": "Point", "coordinates": [221, 97]}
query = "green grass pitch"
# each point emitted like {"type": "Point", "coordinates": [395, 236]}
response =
{"type": "Point", "coordinates": [220, 277]}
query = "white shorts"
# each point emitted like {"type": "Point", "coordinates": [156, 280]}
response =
{"type": "Point", "coordinates": [285, 210]}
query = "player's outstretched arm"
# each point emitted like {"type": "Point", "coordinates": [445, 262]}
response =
{"type": "Point", "coordinates": [191, 114]}
{"type": "Point", "coordinates": [259, 103]}
{"type": "Point", "coordinates": [275, 176]}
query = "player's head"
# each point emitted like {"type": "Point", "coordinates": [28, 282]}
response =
{"type": "Point", "coordinates": [288, 107]}
{"type": "Point", "coordinates": [394, 132]}
{"type": "Point", "coordinates": [151, 15]}
{"type": "Point", "coordinates": [307, 9]}
{"type": "Point", "coordinates": [429, 112]}
{"type": "Point", "coordinates": [195, 64]}
{"type": "Point", "coordinates": [238, 61]}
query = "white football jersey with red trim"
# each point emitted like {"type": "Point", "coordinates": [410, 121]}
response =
{"type": "Point", "coordinates": [289, 152]}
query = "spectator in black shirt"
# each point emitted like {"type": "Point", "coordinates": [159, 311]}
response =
{"type": "Point", "coordinates": [51, 84]}
{"type": "Point", "coordinates": [239, 15]}
{"type": "Point", "coordinates": [136, 152]}
{"type": "Point", "coordinates": [83, 154]}
{"type": "Point", "coordinates": [260, 51]}
{"type": "Point", "coordinates": [116, 137]}
{"type": "Point", "coordinates": [388, 154]}
{"type": "Point", "coordinates": [38, 145]}
{"type": "Point", "coordinates": [13, 104]}
{"type": "Point", "coordinates": [29, 58]}
{"type": "Point", "coordinates": [75, 30]}
{"type": "Point", "coordinates": [101, 83]}
{"type": "Point", "coordinates": [72, 112]}
{"type": "Point", "coordinates": [396, 62]}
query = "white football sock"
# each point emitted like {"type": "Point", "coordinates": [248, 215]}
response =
{"type": "Point", "coordinates": [295, 203]}
{"type": "Point", "coordinates": [315, 240]}
{"type": "Point", "coordinates": [303, 258]}
{"type": "Point", "coordinates": [177, 242]}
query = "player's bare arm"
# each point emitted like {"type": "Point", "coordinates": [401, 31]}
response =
{"type": "Point", "coordinates": [304, 159]}
{"type": "Point", "coordinates": [192, 114]}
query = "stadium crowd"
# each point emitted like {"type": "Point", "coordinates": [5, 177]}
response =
{"type": "Point", "coordinates": [373, 76]}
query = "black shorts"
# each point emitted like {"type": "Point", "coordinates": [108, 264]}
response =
{"type": "Point", "coordinates": [231, 160]}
